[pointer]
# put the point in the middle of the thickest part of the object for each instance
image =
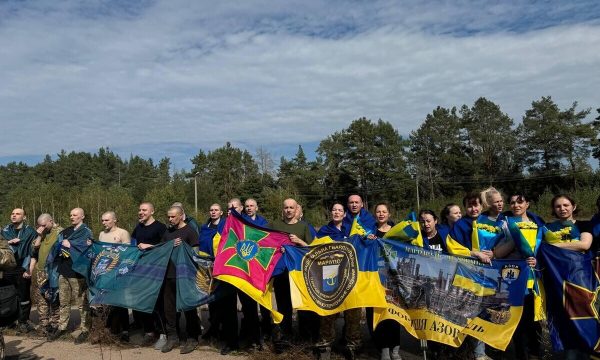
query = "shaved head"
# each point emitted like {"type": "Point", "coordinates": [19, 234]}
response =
{"type": "Point", "coordinates": [290, 207]}
{"type": "Point", "coordinates": [149, 205]}
{"type": "Point", "coordinates": [177, 209]}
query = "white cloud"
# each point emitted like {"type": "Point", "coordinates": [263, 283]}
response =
{"type": "Point", "coordinates": [273, 73]}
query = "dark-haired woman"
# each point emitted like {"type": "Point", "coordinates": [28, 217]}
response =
{"type": "Point", "coordinates": [576, 235]}
{"type": "Point", "coordinates": [351, 316]}
{"type": "Point", "coordinates": [450, 214]}
{"type": "Point", "coordinates": [433, 234]}
{"type": "Point", "coordinates": [461, 241]}
{"type": "Point", "coordinates": [526, 230]}
{"type": "Point", "coordinates": [567, 232]}
{"type": "Point", "coordinates": [334, 228]}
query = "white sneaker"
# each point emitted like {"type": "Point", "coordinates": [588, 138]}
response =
{"type": "Point", "coordinates": [385, 354]}
{"type": "Point", "coordinates": [162, 341]}
{"type": "Point", "coordinates": [396, 353]}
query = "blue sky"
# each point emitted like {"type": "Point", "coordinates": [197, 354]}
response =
{"type": "Point", "coordinates": [166, 78]}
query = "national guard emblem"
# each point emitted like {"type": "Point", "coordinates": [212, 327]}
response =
{"type": "Point", "coordinates": [330, 272]}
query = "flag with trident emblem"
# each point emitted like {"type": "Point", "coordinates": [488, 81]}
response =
{"type": "Point", "coordinates": [246, 257]}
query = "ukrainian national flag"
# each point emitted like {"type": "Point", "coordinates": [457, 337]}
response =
{"type": "Point", "coordinates": [473, 281]}
{"type": "Point", "coordinates": [559, 232]}
{"type": "Point", "coordinates": [408, 230]}
{"type": "Point", "coordinates": [473, 234]}
{"type": "Point", "coordinates": [359, 228]}
{"type": "Point", "coordinates": [210, 239]}
{"type": "Point", "coordinates": [334, 276]}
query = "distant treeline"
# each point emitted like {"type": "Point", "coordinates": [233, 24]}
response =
{"type": "Point", "coordinates": [453, 151]}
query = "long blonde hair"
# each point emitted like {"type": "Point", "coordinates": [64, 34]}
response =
{"type": "Point", "coordinates": [486, 196]}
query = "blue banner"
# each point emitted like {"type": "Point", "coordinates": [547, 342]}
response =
{"type": "Point", "coordinates": [571, 285]}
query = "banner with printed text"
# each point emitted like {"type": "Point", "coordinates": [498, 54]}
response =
{"type": "Point", "coordinates": [444, 298]}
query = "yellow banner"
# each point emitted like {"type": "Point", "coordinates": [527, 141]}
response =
{"type": "Point", "coordinates": [422, 324]}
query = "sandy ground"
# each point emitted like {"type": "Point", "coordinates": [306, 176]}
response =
{"type": "Point", "coordinates": [35, 347]}
{"type": "Point", "coordinates": [18, 347]}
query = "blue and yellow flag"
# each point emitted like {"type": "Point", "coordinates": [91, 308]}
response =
{"type": "Point", "coordinates": [527, 236]}
{"type": "Point", "coordinates": [558, 232]}
{"type": "Point", "coordinates": [474, 281]}
{"type": "Point", "coordinates": [572, 288]}
{"type": "Point", "coordinates": [359, 227]}
{"type": "Point", "coordinates": [362, 224]}
{"type": "Point", "coordinates": [408, 230]}
{"type": "Point", "coordinates": [209, 238]}
{"type": "Point", "coordinates": [445, 298]}
{"type": "Point", "coordinates": [473, 234]}
{"type": "Point", "coordinates": [334, 276]}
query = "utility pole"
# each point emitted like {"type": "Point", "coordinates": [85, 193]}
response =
{"type": "Point", "coordinates": [196, 194]}
{"type": "Point", "coordinates": [417, 188]}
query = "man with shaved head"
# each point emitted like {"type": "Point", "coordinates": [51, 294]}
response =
{"type": "Point", "coordinates": [47, 308]}
{"type": "Point", "coordinates": [20, 237]}
{"type": "Point", "coordinates": [235, 204]}
{"type": "Point", "coordinates": [188, 219]}
{"type": "Point", "coordinates": [71, 285]}
{"type": "Point", "coordinates": [210, 234]}
{"type": "Point", "coordinates": [179, 232]}
{"type": "Point", "coordinates": [300, 235]}
{"type": "Point", "coordinates": [118, 317]}
{"type": "Point", "coordinates": [112, 233]}
{"type": "Point", "coordinates": [226, 315]}
{"type": "Point", "coordinates": [250, 325]}
{"type": "Point", "coordinates": [300, 217]}
{"type": "Point", "coordinates": [251, 213]}
{"type": "Point", "coordinates": [147, 233]}
{"type": "Point", "coordinates": [356, 209]}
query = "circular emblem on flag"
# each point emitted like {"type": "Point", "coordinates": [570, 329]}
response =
{"type": "Point", "coordinates": [105, 262]}
{"type": "Point", "coordinates": [246, 249]}
{"type": "Point", "coordinates": [330, 272]}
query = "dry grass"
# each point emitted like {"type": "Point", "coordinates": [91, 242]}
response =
{"type": "Point", "coordinates": [99, 333]}
{"type": "Point", "coordinates": [295, 352]}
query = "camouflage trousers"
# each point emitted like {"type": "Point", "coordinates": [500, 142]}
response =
{"type": "Point", "coordinates": [73, 291]}
{"type": "Point", "coordinates": [351, 325]}
{"type": "Point", "coordinates": [48, 312]}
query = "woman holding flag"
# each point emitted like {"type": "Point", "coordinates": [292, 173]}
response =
{"type": "Point", "coordinates": [526, 230]}
{"type": "Point", "coordinates": [567, 233]}
{"type": "Point", "coordinates": [477, 235]}
{"type": "Point", "coordinates": [334, 230]}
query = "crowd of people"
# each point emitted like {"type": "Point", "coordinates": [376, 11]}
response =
{"type": "Point", "coordinates": [450, 233]}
